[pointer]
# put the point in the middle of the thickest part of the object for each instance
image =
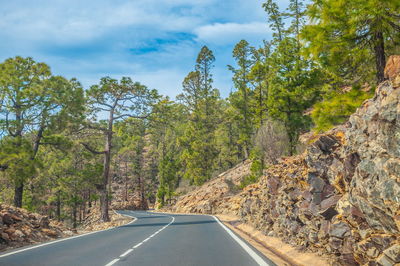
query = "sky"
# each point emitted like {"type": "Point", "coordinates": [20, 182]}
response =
{"type": "Point", "coordinates": [155, 42]}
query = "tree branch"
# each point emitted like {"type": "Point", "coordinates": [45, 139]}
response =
{"type": "Point", "coordinates": [91, 149]}
{"type": "Point", "coordinates": [131, 116]}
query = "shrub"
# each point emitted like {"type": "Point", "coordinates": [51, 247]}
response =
{"type": "Point", "coordinates": [337, 108]}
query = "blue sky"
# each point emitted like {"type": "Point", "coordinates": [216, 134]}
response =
{"type": "Point", "coordinates": [152, 41]}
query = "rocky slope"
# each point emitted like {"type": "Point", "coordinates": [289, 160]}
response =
{"type": "Point", "coordinates": [18, 227]}
{"type": "Point", "coordinates": [341, 197]}
{"type": "Point", "coordinates": [215, 194]}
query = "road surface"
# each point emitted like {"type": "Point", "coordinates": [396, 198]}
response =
{"type": "Point", "coordinates": [152, 239]}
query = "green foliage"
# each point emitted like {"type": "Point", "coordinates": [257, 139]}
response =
{"type": "Point", "coordinates": [198, 141]}
{"type": "Point", "coordinates": [33, 102]}
{"type": "Point", "coordinates": [294, 89]}
{"type": "Point", "coordinates": [248, 180]}
{"type": "Point", "coordinates": [240, 100]}
{"type": "Point", "coordinates": [337, 107]}
{"type": "Point", "coordinates": [17, 154]}
{"type": "Point", "coordinates": [349, 38]}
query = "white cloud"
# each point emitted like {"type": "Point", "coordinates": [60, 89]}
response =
{"type": "Point", "coordinates": [150, 40]}
{"type": "Point", "coordinates": [227, 33]}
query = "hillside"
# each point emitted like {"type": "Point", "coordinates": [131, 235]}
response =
{"type": "Point", "coordinates": [340, 197]}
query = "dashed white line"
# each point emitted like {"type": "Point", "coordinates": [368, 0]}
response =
{"type": "Point", "coordinates": [127, 252]}
{"type": "Point", "coordinates": [112, 262]}
{"type": "Point", "coordinates": [139, 244]}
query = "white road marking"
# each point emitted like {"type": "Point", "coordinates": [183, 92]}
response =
{"type": "Point", "coordinates": [251, 252]}
{"type": "Point", "coordinates": [139, 244]}
{"type": "Point", "coordinates": [64, 239]}
{"type": "Point", "coordinates": [112, 262]}
{"type": "Point", "coordinates": [127, 252]}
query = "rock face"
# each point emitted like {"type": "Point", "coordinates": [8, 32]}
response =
{"type": "Point", "coordinates": [214, 196]}
{"type": "Point", "coordinates": [341, 197]}
{"type": "Point", "coordinates": [18, 227]}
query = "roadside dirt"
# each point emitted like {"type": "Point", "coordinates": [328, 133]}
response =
{"type": "Point", "coordinates": [272, 247]}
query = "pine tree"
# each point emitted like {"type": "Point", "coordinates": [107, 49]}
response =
{"type": "Point", "coordinates": [351, 34]}
{"type": "Point", "coordinates": [120, 100]}
{"type": "Point", "coordinates": [33, 101]}
{"type": "Point", "coordinates": [242, 53]}
{"type": "Point", "coordinates": [198, 140]}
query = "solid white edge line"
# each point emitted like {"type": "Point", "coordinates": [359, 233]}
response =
{"type": "Point", "coordinates": [65, 239]}
{"type": "Point", "coordinates": [112, 262]}
{"type": "Point", "coordinates": [250, 251]}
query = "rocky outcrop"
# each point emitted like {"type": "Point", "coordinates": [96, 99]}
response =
{"type": "Point", "coordinates": [18, 227]}
{"type": "Point", "coordinates": [341, 197]}
{"type": "Point", "coordinates": [214, 195]}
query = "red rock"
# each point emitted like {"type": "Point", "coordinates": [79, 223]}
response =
{"type": "Point", "coordinates": [330, 202]}
{"type": "Point", "coordinates": [392, 68]}
{"type": "Point", "coordinates": [307, 195]}
{"type": "Point", "coordinates": [10, 230]}
{"type": "Point", "coordinates": [273, 185]}
{"type": "Point", "coordinates": [49, 232]}
{"type": "Point", "coordinates": [335, 243]}
{"type": "Point", "coordinates": [15, 217]}
{"type": "Point", "coordinates": [5, 236]}
{"type": "Point", "coordinates": [18, 233]}
{"type": "Point", "coordinates": [339, 230]}
{"type": "Point", "coordinates": [356, 212]}
{"type": "Point", "coordinates": [7, 219]}
{"type": "Point", "coordinates": [328, 191]}
{"type": "Point", "coordinates": [324, 229]}
{"type": "Point", "coordinates": [304, 205]}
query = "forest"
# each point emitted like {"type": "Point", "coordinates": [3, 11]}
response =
{"type": "Point", "coordinates": [62, 146]}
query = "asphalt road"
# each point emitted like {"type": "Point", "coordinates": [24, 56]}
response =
{"type": "Point", "coordinates": [151, 240]}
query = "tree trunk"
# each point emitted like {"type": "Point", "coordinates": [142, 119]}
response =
{"type": "Point", "coordinates": [58, 210]}
{"type": "Point", "coordinates": [103, 190]}
{"type": "Point", "coordinates": [18, 192]}
{"type": "Point", "coordinates": [380, 58]}
{"type": "Point", "coordinates": [90, 200]}
{"type": "Point", "coordinates": [126, 180]}
{"type": "Point", "coordinates": [74, 215]}
{"type": "Point", "coordinates": [104, 200]}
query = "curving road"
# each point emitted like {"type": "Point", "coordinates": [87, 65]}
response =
{"type": "Point", "coordinates": [152, 239]}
